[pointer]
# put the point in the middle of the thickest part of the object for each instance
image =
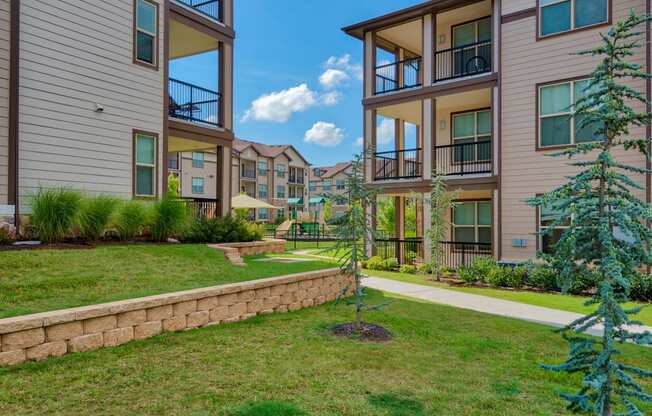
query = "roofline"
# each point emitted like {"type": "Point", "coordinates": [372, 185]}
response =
{"type": "Point", "coordinates": [357, 30]}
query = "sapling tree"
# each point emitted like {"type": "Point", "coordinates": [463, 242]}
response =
{"type": "Point", "coordinates": [608, 235]}
{"type": "Point", "coordinates": [441, 201]}
{"type": "Point", "coordinates": [356, 228]}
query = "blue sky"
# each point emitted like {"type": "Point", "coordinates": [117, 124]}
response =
{"type": "Point", "coordinates": [283, 49]}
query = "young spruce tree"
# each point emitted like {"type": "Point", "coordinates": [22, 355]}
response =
{"type": "Point", "coordinates": [609, 237]}
{"type": "Point", "coordinates": [355, 228]}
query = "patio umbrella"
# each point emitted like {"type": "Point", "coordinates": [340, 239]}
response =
{"type": "Point", "coordinates": [245, 201]}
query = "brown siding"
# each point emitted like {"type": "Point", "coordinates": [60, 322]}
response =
{"type": "Point", "coordinates": [526, 172]}
{"type": "Point", "coordinates": [4, 100]}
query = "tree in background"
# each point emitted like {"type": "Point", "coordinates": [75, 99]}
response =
{"type": "Point", "coordinates": [387, 216]}
{"type": "Point", "coordinates": [174, 185]}
{"type": "Point", "coordinates": [441, 202]}
{"type": "Point", "coordinates": [608, 236]}
{"type": "Point", "coordinates": [328, 210]}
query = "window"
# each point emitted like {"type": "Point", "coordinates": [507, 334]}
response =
{"type": "Point", "coordinates": [146, 33]}
{"type": "Point", "coordinates": [263, 214]}
{"type": "Point", "coordinates": [145, 169]}
{"type": "Point", "coordinates": [262, 191]}
{"type": "Point", "coordinates": [557, 16]}
{"type": "Point", "coordinates": [340, 184]}
{"type": "Point", "coordinates": [313, 186]}
{"type": "Point", "coordinates": [316, 172]}
{"type": "Point", "coordinates": [198, 160]}
{"type": "Point", "coordinates": [477, 56]}
{"type": "Point", "coordinates": [557, 125]}
{"type": "Point", "coordinates": [262, 168]}
{"type": "Point", "coordinates": [280, 192]}
{"type": "Point", "coordinates": [472, 222]}
{"type": "Point", "coordinates": [553, 221]}
{"type": "Point", "coordinates": [469, 128]}
{"type": "Point", "coordinates": [173, 161]}
{"type": "Point", "coordinates": [280, 170]}
{"type": "Point", "coordinates": [280, 213]}
{"type": "Point", "coordinates": [197, 185]}
{"type": "Point", "coordinates": [326, 185]}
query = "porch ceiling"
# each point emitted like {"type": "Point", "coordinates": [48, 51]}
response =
{"type": "Point", "coordinates": [187, 41]}
{"type": "Point", "coordinates": [410, 112]}
{"type": "Point", "coordinates": [464, 14]}
{"type": "Point", "coordinates": [178, 144]}
{"type": "Point", "coordinates": [469, 99]}
{"type": "Point", "coordinates": [407, 35]}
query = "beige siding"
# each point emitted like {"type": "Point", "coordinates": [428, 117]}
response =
{"type": "Point", "coordinates": [526, 172]}
{"type": "Point", "coordinates": [208, 173]}
{"type": "Point", "coordinates": [513, 6]}
{"type": "Point", "coordinates": [4, 99]}
{"type": "Point", "coordinates": [75, 54]}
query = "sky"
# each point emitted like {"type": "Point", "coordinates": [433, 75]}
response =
{"type": "Point", "coordinates": [297, 76]}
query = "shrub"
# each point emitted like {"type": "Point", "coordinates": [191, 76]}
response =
{"type": "Point", "coordinates": [507, 277]}
{"type": "Point", "coordinates": [132, 218]}
{"type": "Point", "coordinates": [227, 229]}
{"type": "Point", "coordinates": [467, 274]}
{"type": "Point", "coordinates": [641, 288]}
{"type": "Point", "coordinates": [54, 212]}
{"type": "Point", "coordinates": [425, 268]}
{"type": "Point", "coordinates": [478, 270]}
{"type": "Point", "coordinates": [94, 216]}
{"type": "Point", "coordinates": [169, 217]}
{"type": "Point", "coordinates": [543, 277]}
{"type": "Point", "coordinates": [375, 263]}
{"type": "Point", "coordinates": [391, 264]}
{"type": "Point", "coordinates": [408, 269]}
{"type": "Point", "coordinates": [7, 233]}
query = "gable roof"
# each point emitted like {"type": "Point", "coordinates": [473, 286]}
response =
{"type": "Point", "coordinates": [330, 171]}
{"type": "Point", "coordinates": [266, 150]}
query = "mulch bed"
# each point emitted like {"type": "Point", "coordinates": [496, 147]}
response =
{"type": "Point", "coordinates": [78, 245]}
{"type": "Point", "coordinates": [368, 332]}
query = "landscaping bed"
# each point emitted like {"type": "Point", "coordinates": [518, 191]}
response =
{"type": "Point", "coordinates": [43, 280]}
{"type": "Point", "coordinates": [441, 361]}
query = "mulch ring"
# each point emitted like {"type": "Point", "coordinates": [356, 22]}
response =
{"type": "Point", "coordinates": [368, 332]}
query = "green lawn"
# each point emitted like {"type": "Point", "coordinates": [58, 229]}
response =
{"type": "Point", "coordinates": [443, 361]}
{"type": "Point", "coordinates": [549, 300]}
{"type": "Point", "coordinates": [42, 280]}
{"type": "Point", "coordinates": [308, 245]}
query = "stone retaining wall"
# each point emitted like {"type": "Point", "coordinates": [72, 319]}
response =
{"type": "Point", "coordinates": [49, 334]}
{"type": "Point", "coordinates": [235, 251]}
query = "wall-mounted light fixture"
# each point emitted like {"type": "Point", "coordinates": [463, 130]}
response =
{"type": "Point", "coordinates": [442, 125]}
{"type": "Point", "coordinates": [442, 39]}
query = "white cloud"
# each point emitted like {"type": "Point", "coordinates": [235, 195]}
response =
{"type": "Point", "coordinates": [331, 98]}
{"type": "Point", "coordinates": [344, 63]}
{"type": "Point", "coordinates": [385, 132]}
{"type": "Point", "coordinates": [324, 134]}
{"type": "Point", "coordinates": [359, 141]}
{"type": "Point", "coordinates": [332, 78]}
{"type": "Point", "coordinates": [279, 106]}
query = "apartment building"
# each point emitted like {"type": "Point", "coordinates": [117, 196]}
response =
{"type": "Point", "coordinates": [86, 100]}
{"type": "Point", "coordinates": [479, 92]}
{"type": "Point", "coordinates": [276, 174]}
{"type": "Point", "coordinates": [329, 182]}
{"type": "Point", "coordinates": [197, 174]}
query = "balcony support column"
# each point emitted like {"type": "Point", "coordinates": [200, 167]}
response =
{"type": "Point", "coordinates": [369, 144]}
{"type": "Point", "coordinates": [369, 63]}
{"type": "Point", "coordinates": [428, 137]}
{"type": "Point", "coordinates": [428, 43]}
{"type": "Point", "coordinates": [495, 130]}
{"type": "Point", "coordinates": [224, 179]}
{"type": "Point", "coordinates": [399, 144]}
{"type": "Point", "coordinates": [226, 85]}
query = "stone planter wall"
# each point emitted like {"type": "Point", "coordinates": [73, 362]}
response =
{"type": "Point", "coordinates": [43, 335]}
{"type": "Point", "coordinates": [235, 251]}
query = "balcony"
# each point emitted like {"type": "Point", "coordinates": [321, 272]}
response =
{"type": "Point", "coordinates": [456, 254]}
{"type": "Point", "coordinates": [248, 173]}
{"type": "Point", "coordinates": [296, 178]}
{"type": "Point", "coordinates": [195, 104]}
{"type": "Point", "coordinates": [463, 61]}
{"type": "Point", "coordinates": [474, 158]}
{"type": "Point", "coordinates": [398, 164]}
{"type": "Point", "coordinates": [398, 76]}
{"type": "Point", "coordinates": [209, 8]}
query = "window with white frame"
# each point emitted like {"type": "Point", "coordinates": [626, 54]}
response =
{"type": "Point", "coordinates": [552, 224]}
{"type": "Point", "coordinates": [262, 168]}
{"type": "Point", "coordinates": [198, 160]}
{"type": "Point", "coordinates": [262, 191]}
{"type": "Point", "coordinates": [557, 124]}
{"type": "Point", "coordinates": [472, 222]}
{"type": "Point", "coordinates": [146, 32]}
{"type": "Point", "coordinates": [197, 185]}
{"type": "Point", "coordinates": [472, 132]}
{"type": "Point", "coordinates": [340, 184]}
{"type": "Point", "coordinates": [327, 185]}
{"type": "Point", "coordinates": [558, 16]}
{"type": "Point", "coordinates": [280, 191]}
{"type": "Point", "coordinates": [145, 169]}
{"type": "Point", "coordinates": [263, 214]}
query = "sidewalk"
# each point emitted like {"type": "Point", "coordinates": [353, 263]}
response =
{"type": "Point", "coordinates": [493, 306]}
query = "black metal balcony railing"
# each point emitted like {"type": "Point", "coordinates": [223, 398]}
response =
{"type": "Point", "coordinates": [464, 158]}
{"type": "Point", "coordinates": [455, 254]}
{"type": "Point", "coordinates": [248, 173]}
{"type": "Point", "coordinates": [398, 164]}
{"type": "Point", "coordinates": [195, 104]}
{"type": "Point", "coordinates": [296, 179]}
{"type": "Point", "coordinates": [405, 251]}
{"type": "Point", "coordinates": [462, 61]}
{"type": "Point", "coordinates": [398, 75]}
{"type": "Point", "coordinates": [210, 8]}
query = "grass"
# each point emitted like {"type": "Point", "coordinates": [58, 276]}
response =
{"type": "Point", "coordinates": [43, 280]}
{"type": "Point", "coordinates": [548, 300]}
{"type": "Point", "coordinates": [442, 361]}
{"type": "Point", "coordinates": [309, 245]}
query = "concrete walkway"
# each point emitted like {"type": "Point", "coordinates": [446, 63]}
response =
{"type": "Point", "coordinates": [485, 304]}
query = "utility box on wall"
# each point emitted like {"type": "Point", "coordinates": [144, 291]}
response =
{"type": "Point", "coordinates": [519, 243]}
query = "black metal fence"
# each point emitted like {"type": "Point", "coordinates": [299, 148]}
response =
{"type": "Point", "coordinates": [248, 173]}
{"type": "Point", "coordinates": [304, 232]}
{"type": "Point", "coordinates": [462, 61]}
{"type": "Point", "coordinates": [464, 158]}
{"type": "Point", "coordinates": [210, 8]}
{"type": "Point", "coordinates": [458, 254]}
{"type": "Point", "coordinates": [398, 164]}
{"type": "Point", "coordinates": [202, 208]}
{"type": "Point", "coordinates": [195, 104]}
{"type": "Point", "coordinates": [398, 75]}
{"type": "Point", "coordinates": [405, 251]}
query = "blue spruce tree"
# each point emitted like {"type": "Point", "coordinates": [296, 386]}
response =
{"type": "Point", "coordinates": [609, 237]}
